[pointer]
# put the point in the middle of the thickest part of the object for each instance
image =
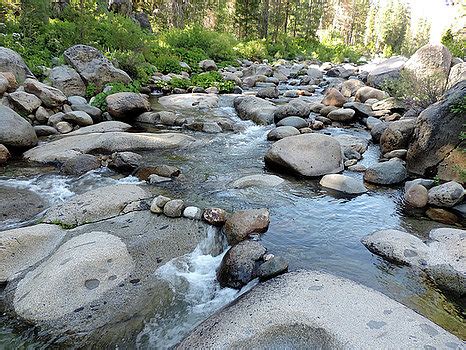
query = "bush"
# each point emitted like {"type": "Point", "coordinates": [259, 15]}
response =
{"type": "Point", "coordinates": [212, 79]}
{"type": "Point", "coordinates": [456, 43]}
{"type": "Point", "coordinates": [99, 100]}
{"type": "Point", "coordinates": [253, 49]}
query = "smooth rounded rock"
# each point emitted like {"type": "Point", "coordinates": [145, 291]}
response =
{"type": "Point", "coordinates": [446, 195]}
{"type": "Point", "coordinates": [341, 115]}
{"type": "Point", "coordinates": [79, 117]}
{"type": "Point", "coordinates": [80, 164]}
{"type": "Point", "coordinates": [126, 105]}
{"type": "Point", "coordinates": [241, 224]}
{"type": "Point", "coordinates": [259, 180]}
{"type": "Point", "coordinates": [295, 122]}
{"type": "Point", "coordinates": [173, 208]}
{"type": "Point", "coordinates": [386, 173]}
{"type": "Point", "coordinates": [15, 131]}
{"type": "Point", "coordinates": [343, 183]}
{"type": "Point", "coordinates": [215, 216]}
{"type": "Point", "coordinates": [281, 132]}
{"type": "Point", "coordinates": [416, 196]}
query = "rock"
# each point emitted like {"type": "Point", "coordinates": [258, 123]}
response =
{"type": "Point", "coordinates": [430, 62]}
{"type": "Point", "coordinates": [457, 74]}
{"type": "Point", "coordinates": [371, 122]}
{"type": "Point", "coordinates": [441, 215]}
{"type": "Point", "coordinates": [253, 80]}
{"type": "Point", "coordinates": [10, 61]}
{"type": "Point", "coordinates": [24, 247]}
{"type": "Point", "coordinates": [11, 79]}
{"type": "Point", "coordinates": [193, 213]}
{"type": "Point", "coordinates": [365, 93]}
{"type": "Point", "coordinates": [377, 131]}
{"type": "Point", "coordinates": [207, 65]}
{"type": "Point", "coordinates": [310, 309]}
{"type": "Point", "coordinates": [270, 92]}
{"type": "Point", "coordinates": [295, 122]}
{"type": "Point", "coordinates": [307, 155]}
{"type": "Point", "coordinates": [125, 105]}
{"type": "Point", "coordinates": [80, 164]}
{"type": "Point", "coordinates": [94, 112]}
{"type": "Point", "coordinates": [442, 254]}
{"type": "Point", "coordinates": [144, 172]}
{"type": "Point", "coordinates": [24, 102]}
{"type": "Point", "coordinates": [194, 101]}
{"type": "Point", "coordinates": [292, 93]}
{"type": "Point", "coordinates": [427, 183]}
{"type": "Point", "coordinates": [436, 134]}
{"type": "Point", "coordinates": [390, 103]}
{"type": "Point", "coordinates": [4, 154]}
{"type": "Point", "coordinates": [64, 127]}
{"type": "Point", "coordinates": [45, 130]}
{"type": "Point", "coordinates": [296, 108]}
{"type": "Point", "coordinates": [397, 135]}
{"type": "Point", "coordinates": [109, 142]}
{"type": "Point", "coordinates": [215, 216]}
{"type": "Point", "coordinates": [256, 109]}
{"type": "Point", "coordinates": [101, 203]}
{"type": "Point", "coordinates": [14, 130]}
{"type": "Point", "coordinates": [343, 183]}
{"type": "Point", "coordinates": [211, 128]}
{"type": "Point", "coordinates": [355, 143]}
{"type": "Point", "coordinates": [42, 116]}
{"type": "Point", "coordinates": [446, 195]}
{"type": "Point", "coordinates": [316, 107]}
{"type": "Point", "coordinates": [125, 162]}
{"type": "Point", "coordinates": [243, 223]}
{"type": "Point", "coordinates": [350, 87]}
{"type": "Point", "coordinates": [173, 208]}
{"type": "Point", "coordinates": [282, 132]}
{"type": "Point", "coordinates": [416, 196]}
{"type": "Point", "coordinates": [55, 118]}
{"type": "Point", "coordinates": [341, 114]}
{"type": "Point", "coordinates": [396, 153]}
{"type": "Point", "coordinates": [50, 96]}
{"type": "Point", "coordinates": [362, 110]}
{"type": "Point", "coordinates": [240, 264]}
{"type": "Point", "coordinates": [68, 81]}
{"type": "Point", "coordinates": [333, 97]}
{"type": "Point", "coordinates": [386, 173]}
{"type": "Point", "coordinates": [18, 205]}
{"type": "Point", "coordinates": [78, 117]}
{"type": "Point", "coordinates": [272, 268]}
{"type": "Point", "coordinates": [4, 84]}
{"type": "Point", "coordinates": [93, 67]}
{"type": "Point", "coordinates": [77, 100]}
{"type": "Point", "coordinates": [259, 180]}
{"type": "Point", "coordinates": [326, 110]}
{"type": "Point", "coordinates": [103, 127]}
{"type": "Point", "coordinates": [143, 19]}
{"type": "Point", "coordinates": [388, 70]}
{"type": "Point", "coordinates": [156, 179]}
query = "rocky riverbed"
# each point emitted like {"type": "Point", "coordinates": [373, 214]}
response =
{"type": "Point", "coordinates": [131, 227]}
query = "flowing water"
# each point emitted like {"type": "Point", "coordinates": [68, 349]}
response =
{"type": "Point", "coordinates": [311, 227]}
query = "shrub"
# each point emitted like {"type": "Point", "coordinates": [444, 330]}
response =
{"type": "Point", "coordinates": [253, 49]}
{"type": "Point", "coordinates": [212, 79]}
{"type": "Point", "coordinates": [99, 100]}
{"type": "Point", "coordinates": [456, 43]}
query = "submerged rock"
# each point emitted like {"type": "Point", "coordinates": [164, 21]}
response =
{"type": "Point", "coordinates": [259, 180]}
{"type": "Point", "coordinates": [192, 101]}
{"type": "Point", "coordinates": [343, 184]}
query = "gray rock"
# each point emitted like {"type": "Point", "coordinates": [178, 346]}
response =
{"type": "Point", "coordinates": [371, 122]}
{"type": "Point", "coordinates": [24, 247]}
{"type": "Point", "coordinates": [390, 103]}
{"type": "Point", "coordinates": [341, 114]}
{"type": "Point", "coordinates": [125, 105]}
{"type": "Point", "coordinates": [243, 223]}
{"type": "Point", "coordinates": [93, 67]}
{"type": "Point", "coordinates": [240, 264]}
{"type": "Point", "coordinates": [24, 102]}
{"type": "Point", "coordinates": [270, 92]}
{"type": "Point", "coordinates": [80, 164]}
{"type": "Point", "coordinates": [78, 117]}
{"type": "Point", "coordinates": [365, 93]}
{"type": "Point", "coordinates": [101, 203]}
{"type": "Point", "coordinates": [388, 70]}
{"type": "Point", "coordinates": [50, 96]}
{"type": "Point", "coordinates": [207, 65]}
{"type": "Point", "coordinates": [193, 213]}
{"type": "Point", "coordinates": [397, 135]}
{"type": "Point", "coordinates": [354, 143]}
{"type": "Point", "coordinates": [45, 130]}
{"type": "Point", "coordinates": [296, 122]}
{"type": "Point", "coordinates": [211, 128]}
{"type": "Point", "coordinates": [377, 131]}
{"type": "Point", "coordinates": [77, 100]}
{"type": "Point", "coordinates": [343, 183]}
{"type": "Point", "coordinates": [386, 173]}
{"type": "Point", "coordinates": [15, 131]}
{"type": "Point", "coordinates": [103, 127]}
{"type": "Point", "coordinates": [416, 196]}
{"type": "Point", "coordinates": [194, 101]}
{"type": "Point", "coordinates": [427, 183]}
{"type": "Point", "coordinates": [125, 162]}
{"type": "Point", "coordinates": [362, 110]}
{"type": "Point", "coordinates": [155, 179]}
{"type": "Point", "coordinates": [55, 118]}
{"type": "Point", "coordinates": [310, 309]}
{"type": "Point", "coordinates": [282, 132]}
{"type": "Point", "coordinates": [94, 112]}
{"type": "Point", "coordinates": [42, 115]}
{"type": "Point", "coordinates": [256, 109]}
{"type": "Point", "coordinates": [109, 142]}
{"type": "Point", "coordinates": [64, 127]}
{"type": "Point", "coordinates": [4, 154]}
{"type": "Point", "coordinates": [457, 74]}
{"type": "Point", "coordinates": [446, 195]}
{"type": "Point", "coordinates": [19, 204]}
{"type": "Point", "coordinates": [68, 81]}
{"type": "Point", "coordinates": [173, 208]}
{"type": "Point", "coordinates": [10, 61]}
{"type": "Point", "coordinates": [326, 110]}
{"type": "Point", "coordinates": [350, 87]}
{"type": "Point", "coordinates": [296, 107]}
{"type": "Point", "coordinates": [306, 155]}
{"type": "Point", "coordinates": [259, 180]}
{"type": "Point", "coordinates": [272, 268]}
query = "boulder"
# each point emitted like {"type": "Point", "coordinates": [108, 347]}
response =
{"type": "Point", "coordinates": [271, 268]}
{"type": "Point", "coordinates": [259, 180]}
{"type": "Point", "coordinates": [397, 135]}
{"type": "Point", "coordinates": [256, 109]}
{"type": "Point", "coordinates": [354, 143]}
{"type": "Point", "coordinates": [64, 127]}
{"type": "Point", "coordinates": [307, 155]}
{"type": "Point", "coordinates": [45, 130]}
{"type": "Point", "coordinates": [79, 118]}
{"type": "Point", "coordinates": [243, 223]}
{"type": "Point", "coordinates": [270, 92]}
{"type": "Point", "coordinates": [19, 205]}
{"type": "Point", "coordinates": [341, 114]}
{"type": "Point", "coordinates": [310, 309]}
{"type": "Point", "coordinates": [125, 162]}
{"type": "Point", "coordinates": [350, 87]}
{"type": "Point", "coordinates": [50, 96]}
{"type": "Point", "coordinates": [432, 61]}
{"type": "Point", "coordinates": [68, 81]}
{"type": "Point", "coordinates": [416, 196]}
{"type": "Point", "coordinates": [446, 195]}
{"type": "Point", "coordinates": [125, 105]}
{"type": "Point", "coordinates": [107, 142]}
{"type": "Point", "coordinates": [377, 130]}
{"type": "Point", "coordinates": [25, 103]}
{"type": "Point", "coordinates": [80, 164]}
{"type": "Point", "coordinates": [4, 154]}
{"type": "Point", "coordinates": [76, 100]}
{"type": "Point", "coordinates": [103, 127]}
{"type": "Point", "coordinates": [207, 65]}
{"type": "Point", "coordinates": [390, 103]}
{"type": "Point", "coordinates": [10, 61]}
{"type": "Point", "coordinates": [94, 112]}
{"type": "Point", "coordinates": [362, 110]}
{"type": "Point", "coordinates": [194, 101]}
{"type": "Point", "coordinates": [386, 173]}
{"type": "Point", "coordinates": [385, 71]}
{"type": "Point", "coordinates": [26, 246]}
{"type": "Point", "coordinates": [282, 132]}
{"type": "Point", "coordinates": [240, 264]}
{"type": "Point", "coordinates": [436, 135]}
{"type": "Point", "coordinates": [365, 93]}
{"type": "Point", "coordinates": [333, 97]}
{"type": "Point", "coordinates": [457, 74]}
{"type": "Point", "coordinates": [297, 108]}
{"type": "Point", "coordinates": [296, 122]}
{"type": "Point", "coordinates": [93, 67]}
{"type": "Point", "coordinates": [101, 203]}
{"type": "Point", "coordinates": [342, 183]}
{"type": "Point", "coordinates": [15, 131]}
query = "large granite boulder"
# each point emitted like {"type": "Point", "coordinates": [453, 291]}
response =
{"type": "Point", "coordinates": [11, 61]}
{"type": "Point", "coordinates": [437, 135]}
{"type": "Point", "coordinates": [15, 131]}
{"type": "Point", "coordinates": [67, 80]}
{"type": "Point", "coordinates": [307, 155]}
{"type": "Point", "coordinates": [296, 108]}
{"type": "Point", "coordinates": [457, 74]}
{"type": "Point", "coordinates": [50, 96]}
{"type": "Point", "coordinates": [93, 67]}
{"type": "Point", "coordinates": [124, 105]}
{"type": "Point", "coordinates": [385, 71]}
{"type": "Point", "coordinates": [256, 109]}
{"type": "Point", "coordinates": [397, 135]}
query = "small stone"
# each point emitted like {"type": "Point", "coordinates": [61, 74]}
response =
{"type": "Point", "coordinates": [174, 208]}
{"type": "Point", "coordinates": [272, 267]}
{"type": "Point", "coordinates": [359, 168]}
{"type": "Point", "coordinates": [282, 132]}
{"type": "Point", "coordinates": [416, 196]}
{"type": "Point", "coordinates": [191, 212]}
{"type": "Point", "coordinates": [156, 179]}
{"type": "Point", "coordinates": [154, 208]}
{"type": "Point", "coordinates": [64, 127]}
{"type": "Point", "coordinates": [79, 117]}
{"type": "Point", "coordinates": [341, 115]}
{"type": "Point", "coordinates": [76, 100]}
{"type": "Point", "coordinates": [160, 201]}
{"type": "Point", "coordinates": [125, 162]}
{"type": "Point", "coordinates": [4, 154]}
{"type": "Point", "coordinates": [242, 223]}
{"type": "Point", "coordinates": [215, 216]}
{"type": "Point", "coordinates": [45, 130]}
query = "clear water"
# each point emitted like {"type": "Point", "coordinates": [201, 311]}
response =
{"type": "Point", "coordinates": [311, 227]}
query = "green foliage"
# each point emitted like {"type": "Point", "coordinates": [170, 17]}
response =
{"type": "Point", "coordinates": [99, 100]}
{"type": "Point", "coordinates": [168, 64]}
{"type": "Point", "coordinates": [212, 79]}
{"type": "Point", "coordinates": [456, 43]}
{"type": "Point", "coordinates": [253, 49]}
{"type": "Point", "coordinates": [91, 90]}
